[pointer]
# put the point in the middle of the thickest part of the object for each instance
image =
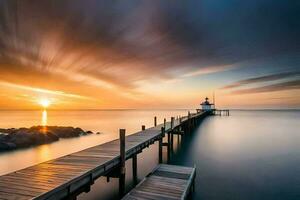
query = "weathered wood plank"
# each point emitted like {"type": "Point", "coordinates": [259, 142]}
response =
{"type": "Point", "coordinates": [164, 184]}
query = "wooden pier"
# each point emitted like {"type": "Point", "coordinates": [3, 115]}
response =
{"type": "Point", "coordinates": [165, 182]}
{"type": "Point", "coordinates": [70, 175]}
{"type": "Point", "coordinates": [221, 112]}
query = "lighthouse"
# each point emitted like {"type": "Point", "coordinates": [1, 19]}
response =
{"type": "Point", "coordinates": [207, 106]}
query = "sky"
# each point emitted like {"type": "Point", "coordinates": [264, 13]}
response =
{"type": "Point", "coordinates": [141, 54]}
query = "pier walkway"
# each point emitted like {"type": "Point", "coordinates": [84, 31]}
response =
{"type": "Point", "coordinates": [68, 176]}
{"type": "Point", "coordinates": [165, 182]}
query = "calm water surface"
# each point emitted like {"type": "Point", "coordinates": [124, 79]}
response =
{"type": "Point", "coordinates": [248, 155]}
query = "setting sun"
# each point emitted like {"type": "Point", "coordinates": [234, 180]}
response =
{"type": "Point", "coordinates": [44, 102]}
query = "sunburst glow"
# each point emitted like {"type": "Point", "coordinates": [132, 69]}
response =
{"type": "Point", "coordinates": [44, 102]}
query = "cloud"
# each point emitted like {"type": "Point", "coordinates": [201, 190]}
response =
{"type": "Point", "coordinates": [209, 70]}
{"type": "Point", "coordinates": [261, 79]}
{"type": "Point", "coordinates": [108, 49]}
{"type": "Point", "coordinates": [289, 85]}
{"type": "Point", "coordinates": [120, 43]}
{"type": "Point", "coordinates": [43, 91]}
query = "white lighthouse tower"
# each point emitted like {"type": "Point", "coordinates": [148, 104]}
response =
{"type": "Point", "coordinates": [207, 106]}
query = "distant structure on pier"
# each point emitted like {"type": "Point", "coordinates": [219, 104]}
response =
{"type": "Point", "coordinates": [207, 106]}
{"type": "Point", "coordinates": [210, 107]}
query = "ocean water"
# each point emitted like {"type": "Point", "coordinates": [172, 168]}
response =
{"type": "Point", "coordinates": [248, 155]}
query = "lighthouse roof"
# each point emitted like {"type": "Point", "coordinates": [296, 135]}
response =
{"type": "Point", "coordinates": [206, 102]}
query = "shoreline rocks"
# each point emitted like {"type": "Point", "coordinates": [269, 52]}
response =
{"type": "Point", "coordinates": [12, 138]}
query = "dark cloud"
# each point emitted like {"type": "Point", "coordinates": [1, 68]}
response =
{"type": "Point", "coordinates": [261, 79]}
{"type": "Point", "coordinates": [122, 42]}
{"type": "Point", "coordinates": [289, 85]}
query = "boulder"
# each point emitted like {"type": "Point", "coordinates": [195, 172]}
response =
{"type": "Point", "coordinates": [36, 135]}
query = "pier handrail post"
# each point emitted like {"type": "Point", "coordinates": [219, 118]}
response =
{"type": "Point", "coordinates": [122, 163]}
{"type": "Point", "coordinates": [143, 127]}
{"type": "Point", "coordinates": [172, 135]}
{"type": "Point", "coordinates": [155, 121]}
{"type": "Point", "coordinates": [169, 146]}
{"type": "Point", "coordinates": [189, 121]}
{"type": "Point", "coordinates": [160, 145]}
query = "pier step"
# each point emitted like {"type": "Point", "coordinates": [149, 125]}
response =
{"type": "Point", "coordinates": [165, 182]}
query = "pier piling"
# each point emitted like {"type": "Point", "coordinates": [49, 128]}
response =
{"type": "Point", "coordinates": [122, 163]}
{"type": "Point", "coordinates": [160, 145]}
{"type": "Point", "coordinates": [155, 121]}
{"type": "Point", "coordinates": [134, 169]}
{"type": "Point", "coordinates": [169, 147]}
{"type": "Point", "coordinates": [172, 134]}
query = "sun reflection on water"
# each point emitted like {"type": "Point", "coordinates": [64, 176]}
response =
{"type": "Point", "coordinates": [44, 120]}
{"type": "Point", "coordinates": [43, 153]}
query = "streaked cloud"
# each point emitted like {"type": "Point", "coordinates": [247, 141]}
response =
{"type": "Point", "coordinates": [209, 70]}
{"type": "Point", "coordinates": [288, 85]}
{"type": "Point", "coordinates": [262, 79]}
{"type": "Point", "coordinates": [43, 91]}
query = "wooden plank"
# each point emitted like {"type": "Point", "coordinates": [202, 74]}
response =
{"type": "Point", "coordinates": [164, 184]}
{"type": "Point", "coordinates": [9, 196]}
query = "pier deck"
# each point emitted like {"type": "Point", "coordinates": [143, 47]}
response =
{"type": "Point", "coordinates": [165, 182]}
{"type": "Point", "coordinates": [71, 174]}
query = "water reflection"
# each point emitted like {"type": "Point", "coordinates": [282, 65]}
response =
{"type": "Point", "coordinates": [44, 118]}
{"type": "Point", "coordinates": [43, 152]}
{"type": "Point", "coordinates": [243, 156]}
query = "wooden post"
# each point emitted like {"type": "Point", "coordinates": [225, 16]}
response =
{"type": "Point", "coordinates": [155, 121]}
{"type": "Point", "coordinates": [134, 169]}
{"type": "Point", "coordinates": [169, 147]}
{"type": "Point", "coordinates": [165, 121]}
{"type": "Point", "coordinates": [143, 127]}
{"type": "Point", "coordinates": [122, 163]}
{"type": "Point", "coordinates": [189, 122]}
{"type": "Point", "coordinates": [172, 138]}
{"type": "Point", "coordinates": [178, 137]}
{"type": "Point", "coordinates": [160, 145]}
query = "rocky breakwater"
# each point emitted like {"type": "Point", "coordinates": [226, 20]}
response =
{"type": "Point", "coordinates": [25, 137]}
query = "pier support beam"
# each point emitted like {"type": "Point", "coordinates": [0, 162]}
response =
{"type": "Point", "coordinates": [160, 145]}
{"type": "Point", "coordinates": [122, 163]}
{"type": "Point", "coordinates": [134, 169]}
{"type": "Point", "coordinates": [189, 122]}
{"type": "Point", "coordinates": [165, 121]}
{"type": "Point", "coordinates": [155, 121]}
{"type": "Point", "coordinates": [172, 135]}
{"type": "Point", "coordinates": [169, 147]}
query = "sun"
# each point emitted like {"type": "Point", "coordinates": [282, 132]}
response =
{"type": "Point", "coordinates": [44, 102]}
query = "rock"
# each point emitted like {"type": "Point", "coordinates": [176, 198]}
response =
{"type": "Point", "coordinates": [4, 146]}
{"type": "Point", "coordinates": [36, 135]}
